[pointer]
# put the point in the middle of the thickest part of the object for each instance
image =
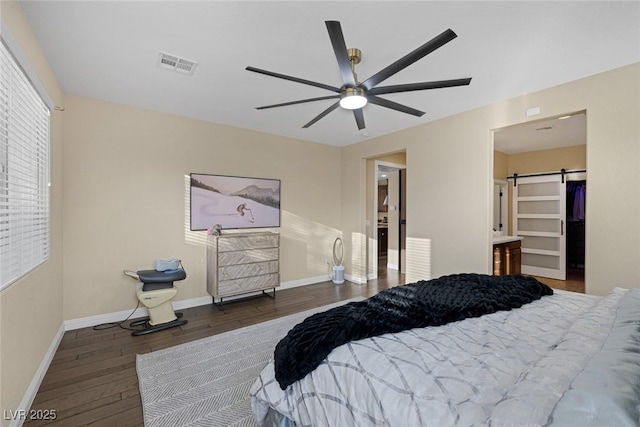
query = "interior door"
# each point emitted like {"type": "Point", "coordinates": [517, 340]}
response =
{"type": "Point", "coordinates": [539, 209]}
{"type": "Point", "coordinates": [402, 215]}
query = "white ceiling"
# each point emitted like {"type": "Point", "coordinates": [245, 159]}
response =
{"type": "Point", "coordinates": [109, 51]}
{"type": "Point", "coordinates": [564, 131]}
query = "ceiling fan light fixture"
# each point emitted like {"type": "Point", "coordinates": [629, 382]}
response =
{"type": "Point", "coordinates": [353, 98]}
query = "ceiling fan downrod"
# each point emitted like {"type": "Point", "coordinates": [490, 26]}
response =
{"type": "Point", "coordinates": [353, 97]}
{"type": "Point", "coordinates": [354, 58]}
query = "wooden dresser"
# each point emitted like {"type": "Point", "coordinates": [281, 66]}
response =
{"type": "Point", "coordinates": [243, 262]}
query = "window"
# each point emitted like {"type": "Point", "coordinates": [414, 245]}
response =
{"type": "Point", "coordinates": [24, 172]}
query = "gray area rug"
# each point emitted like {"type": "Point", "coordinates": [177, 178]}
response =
{"type": "Point", "coordinates": [207, 382]}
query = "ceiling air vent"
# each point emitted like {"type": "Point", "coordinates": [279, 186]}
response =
{"type": "Point", "coordinates": [175, 63]}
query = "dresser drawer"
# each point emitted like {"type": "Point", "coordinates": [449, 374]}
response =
{"type": "Point", "coordinates": [249, 241]}
{"type": "Point", "coordinates": [248, 284]}
{"type": "Point", "coordinates": [247, 270]}
{"type": "Point", "coordinates": [248, 256]}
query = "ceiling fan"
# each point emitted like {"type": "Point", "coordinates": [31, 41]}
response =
{"type": "Point", "coordinates": [354, 95]}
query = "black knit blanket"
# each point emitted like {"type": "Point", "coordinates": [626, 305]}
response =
{"type": "Point", "coordinates": [417, 305]}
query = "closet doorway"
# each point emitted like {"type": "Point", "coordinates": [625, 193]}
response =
{"type": "Point", "coordinates": [552, 226]}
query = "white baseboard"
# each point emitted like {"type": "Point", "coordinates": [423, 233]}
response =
{"type": "Point", "coordinates": [99, 319]}
{"type": "Point", "coordinates": [193, 302]}
{"type": "Point", "coordinates": [393, 267]}
{"type": "Point", "coordinates": [360, 280]}
{"type": "Point", "coordinates": [119, 316]}
{"type": "Point", "coordinates": [30, 394]}
{"type": "Point", "coordinates": [304, 282]}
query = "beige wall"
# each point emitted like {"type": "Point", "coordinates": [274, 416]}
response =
{"type": "Point", "coordinates": [31, 308]}
{"type": "Point", "coordinates": [613, 166]}
{"type": "Point", "coordinates": [446, 173]}
{"type": "Point", "coordinates": [500, 165]}
{"type": "Point", "coordinates": [126, 198]}
{"type": "Point", "coordinates": [569, 158]}
{"type": "Point", "coordinates": [451, 174]}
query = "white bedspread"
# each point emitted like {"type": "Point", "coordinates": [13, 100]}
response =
{"type": "Point", "coordinates": [503, 369]}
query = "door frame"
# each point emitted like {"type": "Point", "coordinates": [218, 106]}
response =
{"type": "Point", "coordinates": [504, 204]}
{"type": "Point", "coordinates": [570, 176]}
{"type": "Point", "coordinates": [377, 164]}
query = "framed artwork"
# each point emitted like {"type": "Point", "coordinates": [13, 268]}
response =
{"type": "Point", "coordinates": [234, 202]}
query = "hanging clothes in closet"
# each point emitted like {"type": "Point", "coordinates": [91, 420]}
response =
{"type": "Point", "coordinates": [576, 191]}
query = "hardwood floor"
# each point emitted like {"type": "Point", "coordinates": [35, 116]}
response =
{"type": "Point", "coordinates": [92, 379]}
{"type": "Point", "coordinates": [574, 282]}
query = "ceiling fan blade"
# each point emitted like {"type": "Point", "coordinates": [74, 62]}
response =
{"type": "Point", "coordinates": [293, 79]}
{"type": "Point", "coordinates": [321, 115]}
{"type": "Point", "coordinates": [359, 115]}
{"type": "Point", "coordinates": [418, 86]}
{"type": "Point", "coordinates": [419, 53]}
{"type": "Point", "coordinates": [395, 106]}
{"type": "Point", "coordinates": [302, 101]}
{"type": "Point", "coordinates": [340, 49]}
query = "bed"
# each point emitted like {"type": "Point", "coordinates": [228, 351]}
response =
{"type": "Point", "coordinates": [561, 359]}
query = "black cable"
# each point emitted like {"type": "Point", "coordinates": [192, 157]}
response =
{"type": "Point", "coordinates": [109, 325]}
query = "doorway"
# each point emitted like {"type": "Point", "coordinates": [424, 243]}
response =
{"type": "Point", "coordinates": [541, 213]}
{"type": "Point", "coordinates": [388, 220]}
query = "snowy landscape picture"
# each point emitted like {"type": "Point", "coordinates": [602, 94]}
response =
{"type": "Point", "coordinates": [234, 202]}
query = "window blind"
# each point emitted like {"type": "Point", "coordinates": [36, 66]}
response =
{"type": "Point", "coordinates": [24, 173]}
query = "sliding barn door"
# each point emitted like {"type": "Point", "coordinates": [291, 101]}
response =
{"type": "Point", "coordinates": [539, 209]}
